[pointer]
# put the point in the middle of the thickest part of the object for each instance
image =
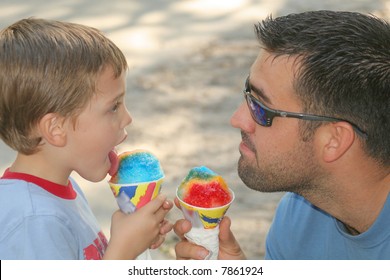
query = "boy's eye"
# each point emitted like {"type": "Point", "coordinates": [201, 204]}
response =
{"type": "Point", "coordinates": [116, 106]}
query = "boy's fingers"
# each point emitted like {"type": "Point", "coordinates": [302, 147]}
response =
{"type": "Point", "coordinates": [177, 203]}
{"type": "Point", "coordinates": [154, 205]}
{"type": "Point", "coordinates": [167, 205]}
{"type": "Point", "coordinates": [166, 227]}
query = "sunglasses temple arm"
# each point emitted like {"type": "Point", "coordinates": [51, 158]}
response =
{"type": "Point", "coordinates": [360, 132]}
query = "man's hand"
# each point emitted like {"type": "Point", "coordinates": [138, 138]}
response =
{"type": "Point", "coordinates": [229, 249]}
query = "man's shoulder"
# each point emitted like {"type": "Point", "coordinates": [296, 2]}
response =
{"type": "Point", "coordinates": [297, 229]}
{"type": "Point", "coordinates": [295, 209]}
{"type": "Point", "coordinates": [300, 205]}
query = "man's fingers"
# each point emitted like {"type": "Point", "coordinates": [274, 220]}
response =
{"type": "Point", "coordinates": [186, 251]}
{"type": "Point", "coordinates": [181, 227]}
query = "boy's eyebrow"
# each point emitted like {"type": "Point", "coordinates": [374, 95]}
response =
{"type": "Point", "coordinates": [259, 93]}
{"type": "Point", "coordinates": [119, 96]}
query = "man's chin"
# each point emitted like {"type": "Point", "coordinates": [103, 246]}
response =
{"type": "Point", "coordinates": [249, 174]}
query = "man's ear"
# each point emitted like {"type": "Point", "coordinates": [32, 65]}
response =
{"type": "Point", "coordinates": [336, 140]}
{"type": "Point", "coordinates": [52, 129]}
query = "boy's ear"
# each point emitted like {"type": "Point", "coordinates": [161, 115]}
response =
{"type": "Point", "coordinates": [336, 140]}
{"type": "Point", "coordinates": [52, 129]}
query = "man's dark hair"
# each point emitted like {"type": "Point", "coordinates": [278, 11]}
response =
{"type": "Point", "coordinates": [344, 71]}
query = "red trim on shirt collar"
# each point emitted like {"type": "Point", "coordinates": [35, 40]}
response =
{"type": "Point", "coordinates": [62, 191]}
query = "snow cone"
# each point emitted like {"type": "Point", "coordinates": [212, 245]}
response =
{"type": "Point", "coordinates": [137, 181]}
{"type": "Point", "coordinates": [204, 198]}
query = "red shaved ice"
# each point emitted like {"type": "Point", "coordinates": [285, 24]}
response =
{"type": "Point", "coordinates": [207, 195]}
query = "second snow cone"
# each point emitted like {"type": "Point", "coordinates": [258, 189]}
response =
{"type": "Point", "coordinates": [204, 198]}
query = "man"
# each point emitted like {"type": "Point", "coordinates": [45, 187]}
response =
{"type": "Point", "coordinates": [332, 155]}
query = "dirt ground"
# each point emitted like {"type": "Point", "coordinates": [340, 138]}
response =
{"type": "Point", "coordinates": [188, 62]}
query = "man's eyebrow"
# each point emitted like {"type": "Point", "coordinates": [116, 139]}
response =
{"type": "Point", "coordinates": [259, 93]}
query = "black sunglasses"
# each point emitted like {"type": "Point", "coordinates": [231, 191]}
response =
{"type": "Point", "coordinates": [264, 115]}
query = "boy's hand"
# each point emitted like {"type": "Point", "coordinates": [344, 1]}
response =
{"type": "Point", "coordinates": [228, 246]}
{"type": "Point", "coordinates": [131, 234]}
{"type": "Point", "coordinates": [166, 227]}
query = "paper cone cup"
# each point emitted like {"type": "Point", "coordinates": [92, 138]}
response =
{"type": "Point", "coordinates": [133, 196]}
{"type": "Point", "coordinates": [205, 224]}
{"type": "Point", "coordinates": [200, 217]}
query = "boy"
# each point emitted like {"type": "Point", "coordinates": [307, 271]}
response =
{"type": "Point", "coordinates": [62, 109]}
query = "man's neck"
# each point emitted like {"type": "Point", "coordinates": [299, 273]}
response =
{"type": "Point", "coordinates": [356, 202]}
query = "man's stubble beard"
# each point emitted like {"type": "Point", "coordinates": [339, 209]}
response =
{"type": "Point", "coordinates": [295, 171]}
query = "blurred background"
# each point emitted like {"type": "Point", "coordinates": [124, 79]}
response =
{"type": "Point", "coordinates": [188, 62]}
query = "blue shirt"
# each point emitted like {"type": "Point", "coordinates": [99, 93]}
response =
{"type": "Point", "coordinates": [42, 220]}
{"type": "Point", "coordinates": [302, 231]}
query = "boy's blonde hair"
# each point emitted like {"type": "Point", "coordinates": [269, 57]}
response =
{"type": "Point", "coordinates": [48, 67]}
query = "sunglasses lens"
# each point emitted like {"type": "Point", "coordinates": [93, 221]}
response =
{"type": "Point", "coordinates": [257, 111]}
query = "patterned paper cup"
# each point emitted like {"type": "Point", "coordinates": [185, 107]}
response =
{"type": "Point", "coordinates": [133, 196]}
{"type": "Point", "coordinates": [207, 218]}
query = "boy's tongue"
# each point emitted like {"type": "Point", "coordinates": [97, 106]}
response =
{"type": "Point", "coordinates": [114, 163]}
